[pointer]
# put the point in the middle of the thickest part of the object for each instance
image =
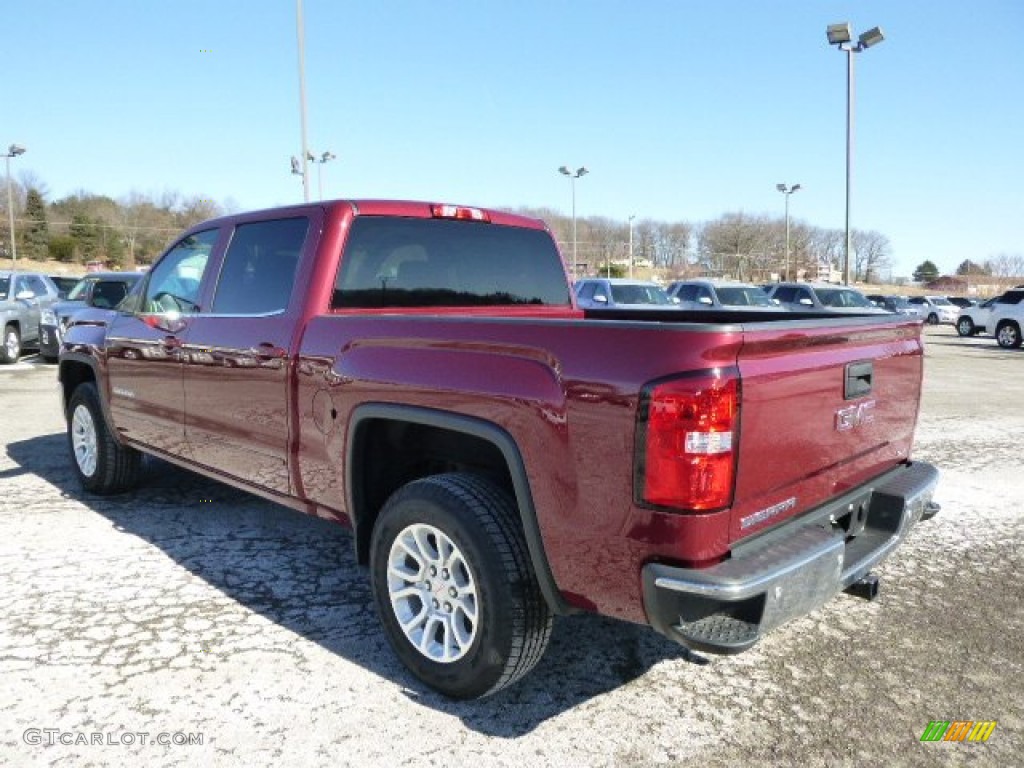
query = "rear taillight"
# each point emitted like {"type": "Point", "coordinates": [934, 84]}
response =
{"type": "Point", "coordinates": [687, 436]}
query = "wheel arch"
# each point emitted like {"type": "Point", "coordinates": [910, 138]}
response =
{"type": "Point", "coordinates": [390, 445]}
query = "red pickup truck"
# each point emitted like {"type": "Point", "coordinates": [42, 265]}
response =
{"type": "Point", "coordinates": [420, 373]}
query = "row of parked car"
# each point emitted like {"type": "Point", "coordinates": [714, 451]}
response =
{"type": "Point", "coordinates": [35, 310]}
{"type": "Point", "coordinates": [1002, 316]}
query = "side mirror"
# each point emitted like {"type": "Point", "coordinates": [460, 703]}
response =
{"type": "Point", "coordinates": [600, 299]}
{"type": "Point", "coordinates": [776, 302]}
{"type": "Point", "coordinates": [25, 295]}
{"type": "Point", "coordinates": [676, 300]}
{"type": "Point", "coordinates": [806, 302]}
{"type": "Point", "coordinates": [705, 300]}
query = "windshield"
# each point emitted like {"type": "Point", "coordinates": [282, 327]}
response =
{"type": "Point", "coordinates": [81, 290]}
{"type": "Point", "coordinates": [639, 294]}
{"type": "Point", "coordinates": [744, 296]}
{"type": "Point", "coordinates": [838, 297]}
{"type": "Point", "coordinates": [5, 286]}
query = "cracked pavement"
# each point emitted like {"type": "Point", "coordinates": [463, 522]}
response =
{"type": "Point", "coordinates": [186, 607]}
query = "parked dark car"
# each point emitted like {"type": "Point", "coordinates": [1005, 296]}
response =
{"type": "Point", "coordinates": [899, 304]}
{"type": "Point", "coordinates": [98, 289]}
{"type": "Point", "coordinates": [23, 295]}
{"type": "Point", "coordinates": [64, 284]}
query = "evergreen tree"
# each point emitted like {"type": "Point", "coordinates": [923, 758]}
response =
{"type": "Point", "coordinates": [86, 235]}
{"type": "Point", "coordinates": [926, 271]}
{"type": "Point", "coordinates": [35, 235]}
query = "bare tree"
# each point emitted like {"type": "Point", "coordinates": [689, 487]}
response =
{"type": "Point", "coordinates": [872, 255]}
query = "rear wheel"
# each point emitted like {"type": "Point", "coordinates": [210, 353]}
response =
{"type": "Point", "coordinates": [933, 319]}
{"type": "Point", "coordinates": [454, 588]}
{"type": "Point", "coordinates": [965, 326]}
{"type": "Point", "coordinates": [10, 351]}
{"type": "Point", "coordinates": [1008, 334]}
{"type": "Point", "coordinates": [102, 464]}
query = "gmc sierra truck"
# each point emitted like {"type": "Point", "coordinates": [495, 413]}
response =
{"type": "Point", "coordinates": [420, 373]}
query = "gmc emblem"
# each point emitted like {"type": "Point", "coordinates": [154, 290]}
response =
{"type": "Point", "coordinates": [855, 416]}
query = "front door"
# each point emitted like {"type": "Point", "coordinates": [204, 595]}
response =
{"type": "Point", "coordinates": [144, 343]}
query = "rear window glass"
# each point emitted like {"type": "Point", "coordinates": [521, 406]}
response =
{"type": "Point", "coordinates": [396, 262]}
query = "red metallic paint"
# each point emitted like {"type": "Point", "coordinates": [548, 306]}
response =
{"type": "Point", "coordinates": [565, 388]}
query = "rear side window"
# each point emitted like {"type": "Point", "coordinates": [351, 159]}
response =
{"type": "Point", "coordinates": [259, 267]}
{"type": "Point", "coordinates": [396, 262]}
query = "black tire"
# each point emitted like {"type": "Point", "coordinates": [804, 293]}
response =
{"type": "Point", "coordinates": [965, 326]}
{"type": "Point", "coordinates": [933, 319]}
{"type": "Point", "coordinates": [512, 623]}
{"type": "Point", "coordinates": [49, 359]}
{"type": "Point", "coordinates": [1008, 335]}
{"type": "Point", "coordinates": [103, 465]}
{"type": "Point", "coordinates": [10, 349]}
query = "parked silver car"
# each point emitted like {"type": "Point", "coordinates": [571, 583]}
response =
{"type": "Point", "coordinates": [621, 293]}
{"type": "Point", "coordinates": [23, 296]}
{"type": "Point", "coordinates": [702, 293]}
{"type": "Point", "coordinates": [823, 297]}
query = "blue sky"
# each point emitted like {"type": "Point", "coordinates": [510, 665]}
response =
{"type": "Point", "coordinates": [681, 110]}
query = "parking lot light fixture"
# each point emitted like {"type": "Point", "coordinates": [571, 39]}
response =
{"type": "Point", "coordinates": [12, 151]}
{"type": "Point", "coordinates": [787, 191]}
{"type": "Point", "coordinates": [573, 175]}
{"type": "Point", "coordinates": [841, 36]}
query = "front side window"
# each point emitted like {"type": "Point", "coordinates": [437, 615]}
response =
{"type": "Point", "coordinates": [587, 291]}
{"type": "Point", "coordinates": [259, 267]}
{"type": "Point", "coordinates": [743, 297]}
{"type": "Point", "coordinates": [35, 284]}
{"type": "Point", "coordinates": [687, 293]}
{"type": "Point", "coordinates": [174, 282]}
{"type": "Point", "coordinates": [639, 294]}
{"type": "Point", "coordinates": [786, 294]}
{"type": "Point", "coordinates": [409, 262]}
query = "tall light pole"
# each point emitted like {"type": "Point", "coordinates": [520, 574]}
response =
{"type": "Point", "coordinates": [573, 175]}
{"type": "Point", "coordinates": [631, 217]}
{"type": "Point", "coordinates": [787, 191]}
{"type": "Point", "coordinates": [12, 151]}
{"type": "Point", "coordinates": [320, 169]}
{"type": "Point", "coordinates": [841, 36]}
{"type": "Point", "coordinates": [302, 98]}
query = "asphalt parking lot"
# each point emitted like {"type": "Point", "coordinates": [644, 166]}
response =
{"type": "Point", "coordinates": [242, 633]}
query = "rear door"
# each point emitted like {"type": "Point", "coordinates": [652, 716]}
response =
{"type": "Point", "coordinates": [824, 409]}
{"type": "Point", "coordinates": [238, 355]}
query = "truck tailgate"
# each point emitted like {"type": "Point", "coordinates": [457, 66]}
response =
{"type": "Point", "coordinates": [824, 409]}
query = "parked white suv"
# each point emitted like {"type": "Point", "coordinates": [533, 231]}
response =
{"type": "Point", "coordinates": [936, 309]}
{"type": "Point", "coordinates": [975, 320]}
{"type": "Point", "coordinates": [1007, 318]}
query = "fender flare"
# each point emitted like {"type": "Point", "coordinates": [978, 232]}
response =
{"type": "Point", "coordinates": [484, 430]}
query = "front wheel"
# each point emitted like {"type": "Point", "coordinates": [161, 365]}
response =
{"type": "Point", "coordinates": [454, 588]}
{"type": "Point", "coordinates": [965, 326]}
{"type": "Point", "coordinates": [933, 319]}
{"type": "Point", "coordinates": [1008, 335]}
{"type": "Point", "coordinates": [103, 465]}
{"type": "Point", "coordinates": [10, 351]}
